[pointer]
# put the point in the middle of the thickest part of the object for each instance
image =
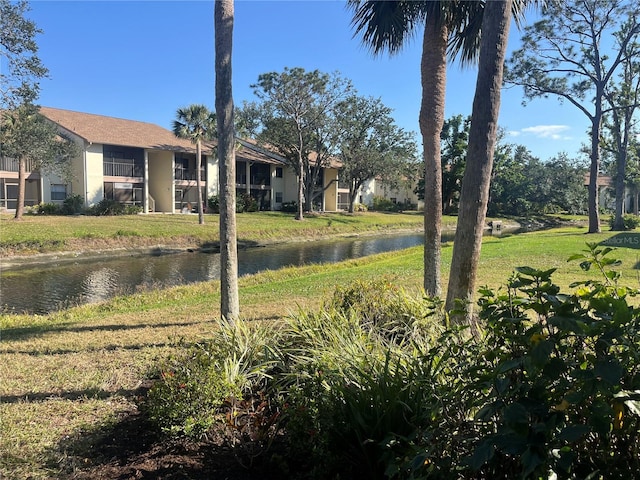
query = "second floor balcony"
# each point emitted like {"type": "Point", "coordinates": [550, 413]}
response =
{"type": "Point", "coordinates": [187, 174]}
{"type": "Point", "coordinates": [11, 165]}
{"type": "Point", "coordinates": [123, 169]}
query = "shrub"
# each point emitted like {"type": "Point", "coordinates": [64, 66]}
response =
{"type": "Point", "coordinates": [246, 203]}
{"type": "Point", "coordinates": [132, 209]}
{"type": "Point", "coordinates": [213, 203]}
{"type": "Point", "coordinates": [72, 205]}
{"type": "Point", "coordinates": [382, 204]}
{"type": "Point", "coordinates": [558, 377]}
{"type": "Point", "coordinates": [48, 209]}
{"type": "Point", "coordinates": [215, 383]}
{"type": "Point", "coordinates": [289, 207]}
{"type": "Point", "coordinates": [111, 207]}
{"type": "Point", "coordinates": [630, 222]}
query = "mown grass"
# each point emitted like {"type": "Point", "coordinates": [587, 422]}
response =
{"type": "Point", "coordinates": [70, 372]}
{"type": "Point", "coordinates": [38, 233]}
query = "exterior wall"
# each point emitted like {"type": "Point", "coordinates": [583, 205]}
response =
{"type": "Point", "coordinates": [290, 193]}
{"type": "Point", "coordinates": [161, 183]}
{"type": "Point", "coordinates": [331, 190]}
{"type": "Point", "coordinates": [213, 176]}
{"type": "Point", "coordinates": [47, 181]}
{"type": "Point", "coordinates": [367, 192]}
{"type": "Point", "coordinates": [376, 188]}
{"type": "Point", "coordinates": [94, 174]}
{"type": "Point", "coordinates": [277, 187]}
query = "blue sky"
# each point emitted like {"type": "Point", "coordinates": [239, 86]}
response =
{"type": "Point", "coordinates": [143, 60]}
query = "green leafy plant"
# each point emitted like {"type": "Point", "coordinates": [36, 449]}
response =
{"type": "Point", "coordinates": [630, 222]}
{"type": "Point", "coordinates": [213, 203]}
{"type": "Point", "coordinates": [73, 205]}
{"type": "Point", "coordinates": [195, 389]}
{"type": "Point", "coordinates": [557, 377]}
{"type": "Point", "coordinates": [48, 209]}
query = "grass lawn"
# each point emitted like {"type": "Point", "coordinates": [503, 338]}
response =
{"type": "Point", "coordinates": [38, 233]}
{"type": "Point", "coordinates": [67, 374]}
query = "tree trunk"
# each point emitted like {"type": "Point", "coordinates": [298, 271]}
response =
{"type": "Point", "coordinates": [621, 157]}
{"type": "Point", "coordinates": [299, 213]}
{"type": "Point", "coordinates": [477, 176]}
{"type": "Point", "coordinates": [22, 186]}
{"type": "Point", "coordinates": [434, 81]}
{"type": "Point", "coordinates": [199, 181]}
{"type": "Point", "coordinates": [594, 172]}
{"type": "Point", "coordinates": [229, 298]}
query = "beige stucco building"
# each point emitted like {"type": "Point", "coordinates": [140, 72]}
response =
{"type": "Point", "coordinates": [139, 163]}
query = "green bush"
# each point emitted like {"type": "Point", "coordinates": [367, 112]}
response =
{"type": "Point", "coordinates": [213, 204]}
{"type": "Point", "coordinates": [630, 222]}
{"type": "Point", "coordinates": [246, 203]}
{"type": "Point", "coordinates": [373, 386]}
{"type": "Point", "coordinates": [73, 205]}
{"type": "Point", "coordinates": [289, 207]}
{"type": "Point", "coordinates": [557, 378]}
{"type": "Point", "coordinates": [213, 383]}
{"type": "Point", "coordinates": [107, 207]}
{"type": "Point", "coordinates": [48, 209]}
{"type": "Point", "coordinates": [382, 204]}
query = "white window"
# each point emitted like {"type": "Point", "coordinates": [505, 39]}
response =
{"type": "Point", "coordinates": [278, 197]}
{"type": "Point", "coordinates": [58, 192]}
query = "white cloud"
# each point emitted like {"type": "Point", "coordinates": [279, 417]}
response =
{"type": "Point", "coordinates": [554, 132]}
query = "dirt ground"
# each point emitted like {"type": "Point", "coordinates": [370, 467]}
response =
{"type": "Point", "coordinates": [129, 450]}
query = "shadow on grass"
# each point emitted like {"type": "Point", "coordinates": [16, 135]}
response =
{"type": "Point", "coordinates": [74, 395]}
{"type": "Point", "coordinates": [24, 333]}
{"type": "Point", "coordinates": [106, 348]}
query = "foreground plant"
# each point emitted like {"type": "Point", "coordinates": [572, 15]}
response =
{"type": "Point", "coordinates": [372, 386]}
{"type": "Point", "coordinates": [557, 377]}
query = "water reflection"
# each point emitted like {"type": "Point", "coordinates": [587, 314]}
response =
{"type": "Point", "coordinates": [56, 286]}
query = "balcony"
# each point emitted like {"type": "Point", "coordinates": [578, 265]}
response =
{"type": "Point", "coordinates": [187, 174]}
{"type": "Point", "coordinates": [122, 169]}
{"type": "Point", "coordinates": [11, 165]}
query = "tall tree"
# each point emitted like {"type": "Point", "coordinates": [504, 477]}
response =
{"type": "Point", "coordinates": [197, 124]}
{"type": "Point", "coordinates": [454, 140]}
{"type": "Point", "coordinates": [573, 54]}
{"type": "Point", "coordinates": [294, 116]}
{"type": "Point", "coordinates": [229, 296]}
{"type": "Point", "coordinates": [371, 145]}
{"type": "Point", "coordinates": [623, 99]}
{"type": "Point", "coordinates": [477, 176]}
{"type": "Point", "coordinates": [21, 67]}
{"type": "Point", "coordinates": [32, 140]}
{"type": "Point", "coordinates": [449, 27]}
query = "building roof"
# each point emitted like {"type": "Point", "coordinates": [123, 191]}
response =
{"type": "Point", "coordinates": [117, 131]}
{"type": "Point", "coordinates": [251, 151]}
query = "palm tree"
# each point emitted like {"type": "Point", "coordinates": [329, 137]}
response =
{"type": "Point", "coordinates": [223, 24]}
{"type": "Point", "coordinates": [195, 123]}
{"type": "Point", "coordinates": [451, 28]}
{"type": "Point", "coordinates": [482, 138]}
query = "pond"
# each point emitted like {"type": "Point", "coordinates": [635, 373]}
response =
{"type": "Point", "coordinates": [43, 289]}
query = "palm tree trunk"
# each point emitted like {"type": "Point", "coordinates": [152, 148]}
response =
{"type": "Point", "coordinates": [22, 185]}
{"type": "Point", "coordinates": [434, 80]}
{"type": "Point", "coordinates": [199, 181]}
{"type": "Point", "coordinates": [477, 176]}
{"type": "Point", "coordinates": [229, 298]}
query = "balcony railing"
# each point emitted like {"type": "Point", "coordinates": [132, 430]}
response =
{"type": "Point", "coordinates": [11, 165]}
{"type": "Point", "coordinates": [119, 169]}
{"type": "Point", "coordinates": [187, 174]}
